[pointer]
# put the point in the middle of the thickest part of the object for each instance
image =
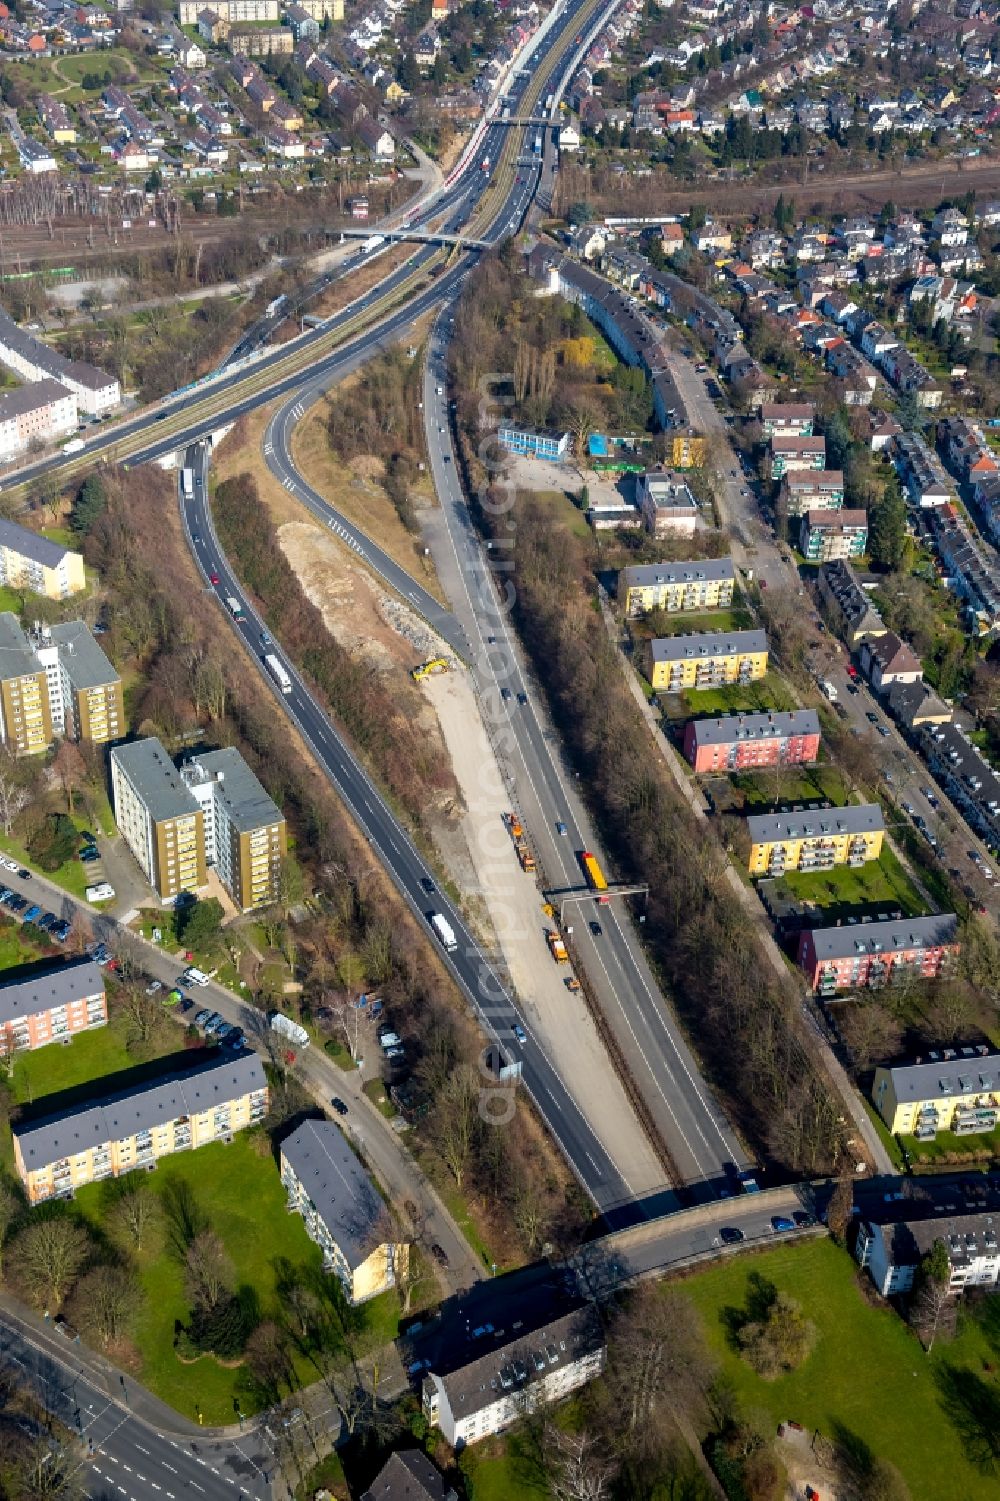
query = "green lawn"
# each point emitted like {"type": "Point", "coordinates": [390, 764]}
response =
{"type": "Point", "coordinates": [867, 1373]}
{"type": "Point", "coordinates": [793, 784]}
{"type": "Point", "coordinates": [72, 876]}
{"type": "Point", "coordinates": [376, 1092]}
{"type": "Point", "coordinates": [882, 884]}
{"type": "Point", "coordinates": [946, 1146]}
{"type": "Point", "coordinates": [500, 1471]}
{"type": "Point", "coordinates": [89, 1057]}
{"type": "Point", "coordinates": [704, 620]}
{"type": "Point", "coordinates": [239, 1195]}
{"type": "Point", "coordinates": [768, 693]}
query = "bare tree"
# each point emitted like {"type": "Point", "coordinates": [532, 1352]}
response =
{"type": "Point", "coordinates": [658, 1356]}
{"type": "Point", "coordinates": [348, 1017]}
{"type": "Point", "coordinates": [137, 1210]}
{"type": "Point", "coordinates": [104, 1301]}
{"type": "Point", "coordinates": [14, 795]}
{"type": "Point", "coordinates": [71, 770]}
{"type": "Point", "coordinates": [144, 1016]}
{"type": "Point", "coordinates": [456, 1119]}
{"type": "Point", "coordinates": [48, 1256]}
{"type": "Point", "coordinates": [11, 1205]}
{"type": "Point", "coordinates": [209, 1270]}
{"type": "Point", "coordinates": [932, 1307]}
{"type": "Point", "coordinates": [577, 1469]}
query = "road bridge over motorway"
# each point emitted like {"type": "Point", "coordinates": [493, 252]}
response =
{"type": "Point", "coordinates": [425, 236]}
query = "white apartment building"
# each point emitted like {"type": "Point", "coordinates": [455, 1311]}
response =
{"type": "Point", "coordinates": [40, 413]}
{"type": "Point", "coordinates": [892, 1253]}
{"type": "Point", "coordinates": [96, 392]}
{"type": "Point", "coordinates": [472, 1398]}
{"type": "Point", "coordinates": [85, 691]}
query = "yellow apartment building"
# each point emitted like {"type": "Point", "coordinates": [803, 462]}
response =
{"type": "Point", "coordinates": [815, 839]}
{"type": "Point", "coordinates": [343, 1211]}
{"type": "Point", "coordinates": [712, 659]}
{"type": "Point", "coordinates": [245, 832]}
{"type": "Point", "coordinates": [85, 692]}
{"type": "Point", "coordinates": [29, 561]}
{"type": "Point", "coordinates": [706, 584]}
{"type": "Point", "coordinates": [955, 1089]}
{"type": "Point", "coordinates": [117, 1133]}
{"type": "Point", "coordinates": [25, 713]}
{"type": "Point", "coordinates": [159, 819]}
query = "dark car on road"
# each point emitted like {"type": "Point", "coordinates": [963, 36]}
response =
{"type": "Point", "coordinates": [730, 1236]}
{"type": "Point", "coordinates": [438, 1253]}
{"type": "Point", "coordinates": [781, 1224]}
{"type": "Point", "coordinates": [338, 1105]}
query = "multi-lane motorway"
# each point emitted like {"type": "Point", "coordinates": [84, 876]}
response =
{"type": "Point", "coordinates": [605, 1180]}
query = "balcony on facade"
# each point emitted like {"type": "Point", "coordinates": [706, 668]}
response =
{"type": "Point", "coordinates": [817, 857]}
{"type": "Point", "coordinates": [827, 981]}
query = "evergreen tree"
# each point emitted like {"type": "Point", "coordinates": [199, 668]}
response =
{"type": "Point", "coordinates": [89, 504]}
{"type": "Point", "coordinates": [887, 527]}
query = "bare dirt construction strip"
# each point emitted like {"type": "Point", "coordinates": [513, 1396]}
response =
{"type": "Point", "coordinates": [557, 1017]}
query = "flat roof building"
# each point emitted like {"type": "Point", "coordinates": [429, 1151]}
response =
{"type": "Point", "coordinates": [29, 561]}
{"type": "Point", "coordinates": [951, 1089]}
{"type": "Point", "coordinates": [25, 715]}
{"type": "Point", "coordinates": [245, 831]}
{"type": "Point", "coordinates": [667, 507]}
{"type": "Point", "coordinates": [50, 1002]}
{"type": "Point", "coordinates": [159, 818]}
{"type": "Point", "coordinates": [865, 955]}
{"type": "Point", "coordinates": [85, 692]}
{"type": "Point", "coordinates": [343, 1211]}
{"type": "Point", "coordinates": [815, 839]}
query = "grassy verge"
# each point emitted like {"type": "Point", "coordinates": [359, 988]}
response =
{"type": "Point", "coordinates": [947, 1149]}
{"type": "Point", "coordinates": [754, 697]}
{"type": "Point", "coordinates": [375, 1090]}
{"type": "Point", "coordinates": [800, 784]}
{"type": "Point", "coordinates": [238, 1194]}
{"type": "Point", "coordinates": [88, 1058]}
{"type": "Point", "coordinates": [328, 1475]}
{"type": "Point", "coordinates": [867, 1374]}
{"type": "Point", "coordinates": [885, 1136]}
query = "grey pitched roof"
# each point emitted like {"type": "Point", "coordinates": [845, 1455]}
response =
{"type": "Point", "coordinates": [704, 569]}
{"type": "Point", "coordinates": [246, 802]}
{"type": "Point", "coordinates": [708, 644]}
{"type": "Point", "coordinates": [510, 1367]}
{"type": "Point", "coordinates": [156, 779]}
{"type": "Point", "coordinates": [965, 1237]}
{"type": "Point", "coordinates": [732, 728]}
{"type": "Point", "coordinates": [85, 663]}
{"type": "Point", "coordinates": [884, 937]}
{"type": "Point", "coordinates": [408, 1476]}
{"type": "Point", "coordinates": [29, 544]}
{"type": "Point", "coordinates": [50, 985]}
{"type": "Point", "coordinates": [220, 1079]}
{"type": "Point", "coordinates": [970, 1071]}
{"type": "Point", "coordinates": [816, 823]}
{"type": "Point", "coordinates": [12, 336]}
{"type": "Point", "coordinates": [341, 1191]}
{"type": "Point", "coordinates": [38, 393]}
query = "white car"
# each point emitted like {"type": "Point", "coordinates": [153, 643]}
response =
{"type": "Point", "coordinates": [102, 892]}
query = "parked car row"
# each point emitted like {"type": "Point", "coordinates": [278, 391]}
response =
{"type": "Point", "coordinates": [57, 927]}
{"type": "Point", "coordinates": [217, 1028]}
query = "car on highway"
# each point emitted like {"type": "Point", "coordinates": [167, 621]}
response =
{"type": "Point", "coordinates": [561, 828]}
{"type": "Point", "coordinates": [781, 1224]}
{"type": "Point", "coordinates": [428, 885]}
{"type": "Point", "coordinates": [519, 1032]}
{"type": "Point", "coordinates": [338, 1105]}
{"type": "Point", "coordinates": [731, 1236]}
{"type": "Point", "coordinates": [505, 694]}
{"type": "Point", "coordinates": [596, 929]}
{"type": "Point", "coordinates": [265, 639]}
{"type": "Point", "coordinates": [213, 577]}
{"type": "Point", "coordinates": [522, 698]}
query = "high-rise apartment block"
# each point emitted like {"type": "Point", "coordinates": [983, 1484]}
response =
{"type": "Point", "coordinates": [85, 691]}
{"type": "Point", "coordinates": [25, 715]}
{"type": "Point", "coordinates": [211, 812]}
{"type": "Point", "coordinates": [159, 820]}
{"type": "Point", "coordinates": [245, 834]}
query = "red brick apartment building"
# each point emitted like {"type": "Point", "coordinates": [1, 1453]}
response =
{"type": "Point", "coordinates": [868, 955]}
{"type": "Point", "coordinates": [52, 1001]}
{"type": "Point", "coordinates": [739, 742]}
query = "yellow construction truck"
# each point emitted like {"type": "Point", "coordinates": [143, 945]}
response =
{"type": "Point", "coordinates": [428, 669]}
{"type": "Point", "coordinates": [556, 947]}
